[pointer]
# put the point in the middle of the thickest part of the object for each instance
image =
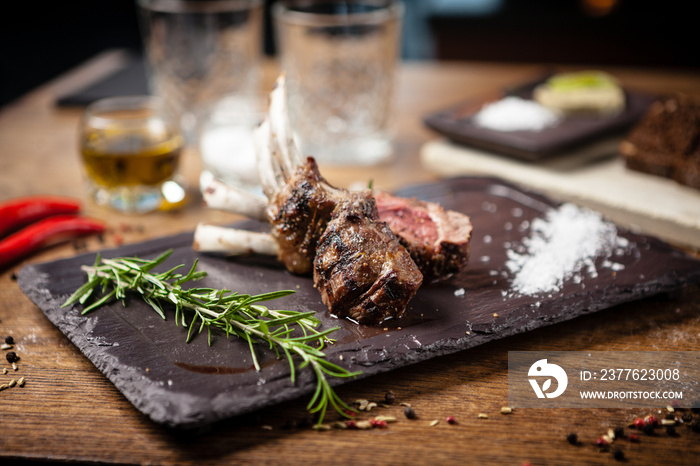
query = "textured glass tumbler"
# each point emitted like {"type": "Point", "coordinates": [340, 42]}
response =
{"type": "Point", "coordinates": [340, 61]}
{"type": "Point", "coordinates": [131, 148]}
{"type": "Point", "coordinates": [200, 51]}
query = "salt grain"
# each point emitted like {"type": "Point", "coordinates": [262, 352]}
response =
{"type": "Point", "coordinates": [515, 114]}
{"type": "Point", "coordinates": [489, 207]}
{"type": "Point", "coordinates": [614, 266]}
{"type": "Point", "coordinates": [562, 246]}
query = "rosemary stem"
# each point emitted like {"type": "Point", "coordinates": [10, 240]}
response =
{"type": "Point", "coordinates": [234, 313]}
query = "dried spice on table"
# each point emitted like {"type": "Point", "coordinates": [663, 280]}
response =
{"type": "Point", "coordinates": [648, 424]}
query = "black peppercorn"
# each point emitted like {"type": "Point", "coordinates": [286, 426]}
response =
{"type": "Point", "coordinates": [619, 432]}
{"type": "Point", "coordinates": [12, 357]}
{"type": "Point", "coordinates": [648, 429]}
{"type": "Point", "coordinates": [9, 340]}
{"type": "Point", "coordinates": [695, 426]}
{"type": "Point", "coordinates": [290, 424]}
{"type": "Point", "coordinates": [687, 418]}
{"type": "Point", "coordinates": [389, 397]}
{"type": "Point", "coordinates": [305, 422]}
{"type": "Point", "coordinates": [670, 416]}
{"type": "Point", "coordinates": [572, 439]}
{"type": "Point", "coordinates": [618, 454]}
{"type": "Point", "coordinates": [410, 413]}
{"type": "Point", "coordinates": [671, 430]}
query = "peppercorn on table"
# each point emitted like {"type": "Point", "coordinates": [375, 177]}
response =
{"type": "Point", "coordinates": [58, 407]}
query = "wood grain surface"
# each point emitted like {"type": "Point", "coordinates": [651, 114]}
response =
{"type": "Point", "coordinates": [69, 412]}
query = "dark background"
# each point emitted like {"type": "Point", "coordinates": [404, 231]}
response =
{"type": "Point", "coordinates": [38, 41]}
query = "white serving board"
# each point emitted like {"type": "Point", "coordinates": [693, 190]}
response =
{"type": "Point", "coordinates": [594, 177]}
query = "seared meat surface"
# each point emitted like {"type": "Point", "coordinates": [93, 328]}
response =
{"type": "Point", "coordinates": [437, 239]}
{"type": "Point", "coordinates": [298, 215]}
{"type": "Point", "coordinates": [360, 269]}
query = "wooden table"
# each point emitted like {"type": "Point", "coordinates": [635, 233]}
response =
{"type": "Point", "coordinates": [68, 411]}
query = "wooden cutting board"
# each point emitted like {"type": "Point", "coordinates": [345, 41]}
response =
{"type": "Point", "coordinates": [592, 176]}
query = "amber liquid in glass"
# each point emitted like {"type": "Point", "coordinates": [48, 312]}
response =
{"type": "Point", "coordinates": [130, 149]}
{"type": "Point", "coordinates": [130, 160]}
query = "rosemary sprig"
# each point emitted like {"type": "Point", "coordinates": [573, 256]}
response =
{"type": "Point", "coordinates": [286, 332]}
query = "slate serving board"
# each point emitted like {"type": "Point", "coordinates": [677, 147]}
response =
{"type": "Point", "coordinates": [189, 385]}
{"type": "Point", "coordinates": [456, 123]}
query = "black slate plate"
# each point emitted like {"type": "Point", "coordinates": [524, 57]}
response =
{"type": "Point", "coordinates": [189, 385]}
{"type": "Point", "coordinates": [456, 123]}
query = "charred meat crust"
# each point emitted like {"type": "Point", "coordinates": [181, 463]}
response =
{"type": "Point", "coordinates": [442, 263]}
{"type": "Point", "coordinates": [298, 216]}
{"type": "Point", "coordinates": [360, 269]}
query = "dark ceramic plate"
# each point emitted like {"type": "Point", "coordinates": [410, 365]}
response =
{"type": "Point", "coordinates": [456, 123]}
{"type": "Point", "coordinates": [189, 385]}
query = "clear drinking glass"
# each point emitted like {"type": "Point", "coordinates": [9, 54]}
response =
{"type": "Point", "coordinates": [226, 141]}
{"type": "Point", "coordinates": [131, 149]}
{"type": "Point", "coordinates": [200, 51]}
{"type": "Point", "coordinates": [340, 60]}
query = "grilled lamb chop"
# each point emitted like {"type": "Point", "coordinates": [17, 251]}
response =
{"type": "Point", "coordinates": [298, 214]}
{"type": "Point", "coordinates": [358, 264]}
{"type": "Point", "coordinates": [360, 269]}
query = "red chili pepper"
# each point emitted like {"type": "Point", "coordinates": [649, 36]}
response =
{"type": "Point", "coordinates": [44, 233]}
{"type": "Point", "coordinates": [22, 211]}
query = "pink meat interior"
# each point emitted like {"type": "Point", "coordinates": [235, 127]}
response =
{"type": "Point", "coordinates": [410, 221]}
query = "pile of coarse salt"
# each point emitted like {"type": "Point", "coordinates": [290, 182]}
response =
{"type": "Point", "coordinates": [563, 246]}
{"type": "Point", "coordinates": [515, 114]}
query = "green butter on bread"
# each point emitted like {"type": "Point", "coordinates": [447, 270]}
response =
{"type": "Point", "coordinates": [581, 92]}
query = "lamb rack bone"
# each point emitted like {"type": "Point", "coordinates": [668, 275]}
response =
{"type": "Point", "coordinates": [277, 153]}
{"type": "Point", "coordinates": [233, 241]}
{"type": "Point", "coordinates": [220, 196]}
